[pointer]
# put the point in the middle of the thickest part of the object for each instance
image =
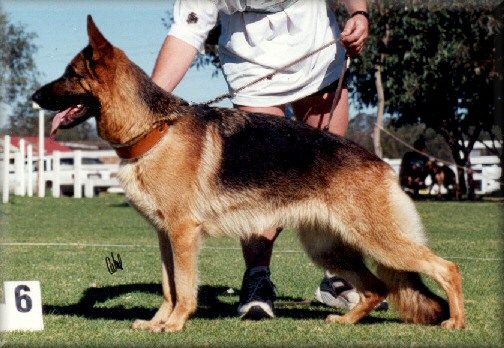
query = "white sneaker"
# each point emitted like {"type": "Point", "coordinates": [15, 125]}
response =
{"type": "Point", "coordinates": [338, 293]}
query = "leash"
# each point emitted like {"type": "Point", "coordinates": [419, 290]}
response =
{"type": "Point", "coordinates": [337, 95]}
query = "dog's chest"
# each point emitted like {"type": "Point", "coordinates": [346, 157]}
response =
{"type": "Point", "coordinates": [138, 197]}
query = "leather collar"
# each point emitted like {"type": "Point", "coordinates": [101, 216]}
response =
{"type": "Point", "coordinates": [140, 145]}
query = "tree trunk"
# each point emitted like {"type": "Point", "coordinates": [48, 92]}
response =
{"type": "Point", "coordinates": [470, 145]}
{"type": "Point", "coordinates": [379, 114]}
{"type": "Point", "coordinates": [451, 136]}
{"type": "Point", "coordinates": [461, 156]}
{"type": "Point", "coordinates": [380, 92]}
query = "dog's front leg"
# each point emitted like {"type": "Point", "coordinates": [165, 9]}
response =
{"type": "Point", "coordinates": [184, 237]}
{"type": "Point", "coordinates": [168, 285]}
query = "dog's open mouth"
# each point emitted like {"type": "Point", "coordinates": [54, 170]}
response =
{"type": "Point", "coordinates": [69, 118]}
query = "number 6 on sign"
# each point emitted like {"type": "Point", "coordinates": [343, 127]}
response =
{"type": "Point", "coordinates": [23, 306]}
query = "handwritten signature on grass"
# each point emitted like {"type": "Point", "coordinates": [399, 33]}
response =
{"type": "Point", "coordinates": [112, 264]}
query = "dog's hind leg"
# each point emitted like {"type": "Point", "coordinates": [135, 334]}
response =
{"type": "Point", "coordinates": [168, 286]}
{"type": "Point", "coordinates": [396, 244]}
{"type": "Point", "coordinates": [331, 254]}
{"type": "Point", "coordinates": [406, 287]}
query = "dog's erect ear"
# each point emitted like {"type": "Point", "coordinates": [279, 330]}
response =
{"type": "Point", "coordinates": [101, 47]}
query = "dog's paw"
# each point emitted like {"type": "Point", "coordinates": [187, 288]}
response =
{"type": "Point", "coordinates": [144, 324]}
{"type": "Point", "coordinates": [156, 326]}
{"type": "Point", "coordinates": [334, 318]}
{"type": "Point", "coordinates": [166, 327]}
{"type": "Point", "coordinates": [453, 324]}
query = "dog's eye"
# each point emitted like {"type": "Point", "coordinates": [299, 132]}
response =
{"type": "Point", "coordinates": [71, 72]}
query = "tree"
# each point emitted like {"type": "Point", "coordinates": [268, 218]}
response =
{"type": "Point", "coordinates": [440, 67]}
{"type": "Point", "coordinates": [18, 74]}
{"type": "Point", "coordinates": [19, 79]}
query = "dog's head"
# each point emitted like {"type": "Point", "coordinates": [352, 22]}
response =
{"type": "Point", "coordinates": [76, 94]}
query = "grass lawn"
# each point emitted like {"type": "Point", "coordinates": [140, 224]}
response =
{"type": "Point", "coordinates": [84, 305]}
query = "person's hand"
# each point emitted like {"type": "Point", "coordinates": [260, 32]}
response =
{"type": "Point", "coordinates": [355, 34]}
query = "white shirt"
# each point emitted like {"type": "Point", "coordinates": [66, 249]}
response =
{"type": "Point", "coordinates": [255, 42]}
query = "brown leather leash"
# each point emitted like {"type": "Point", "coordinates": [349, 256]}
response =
{"type": "Point", "coordinates": [337, 95]}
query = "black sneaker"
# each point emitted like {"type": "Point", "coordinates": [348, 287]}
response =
{"type": "Point", "coordinates": [257, 295]}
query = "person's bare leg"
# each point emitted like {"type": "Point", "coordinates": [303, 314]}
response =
{"type": "Point", "coordinates": [257, 250]}
{"type": "Point", "coordinates": [278, 110]}
{"type": "Point", "coordinates": [314, 111]}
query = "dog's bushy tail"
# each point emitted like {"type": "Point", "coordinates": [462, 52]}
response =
{"type": "Point", "coordinates": [411, 297]}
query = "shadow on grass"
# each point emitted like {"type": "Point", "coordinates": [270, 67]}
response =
{"type": "Point", "coordinates": [124, 204]}
{"type": "Point", "coordinates": [210, 305]}
{"type": "Point", "coordinates": [96, 296]}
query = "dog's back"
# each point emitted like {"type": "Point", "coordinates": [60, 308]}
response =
{"type": "Point", "coordinates": [262, 150]}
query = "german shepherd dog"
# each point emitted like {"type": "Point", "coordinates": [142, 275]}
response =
{"type": "Point", "coordinates": [197, 171]}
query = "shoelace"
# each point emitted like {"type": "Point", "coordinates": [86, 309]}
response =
{"type": "Point", "coordinates": [337, 283]}
{"type": "Point", "coordinates": [257, 285]}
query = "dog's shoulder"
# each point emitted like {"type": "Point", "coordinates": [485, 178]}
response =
{"type": "Point", "coordinates": [226, 121]}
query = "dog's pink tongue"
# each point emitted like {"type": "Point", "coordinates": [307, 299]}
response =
{"type": "Point", "coordinates": [57, 121]}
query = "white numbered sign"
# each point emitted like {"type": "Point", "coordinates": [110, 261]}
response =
{"type": "Point", "coordinates": [22, 309]}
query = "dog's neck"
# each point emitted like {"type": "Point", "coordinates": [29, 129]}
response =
{"type": "Point", "coordinates": [142, 144]}
{"type": "Point", "coordinates": [135, 106]}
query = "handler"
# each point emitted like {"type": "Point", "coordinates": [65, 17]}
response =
{"type": "Point", "coordinates": [259, 36]}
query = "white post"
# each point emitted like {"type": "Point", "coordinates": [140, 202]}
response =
{"type": "Point", "coordinates": [89, 189]}
{"type": "Point", "coordinates": [22, 172]}
{"type": "Point", "coordinates": [5, 186]}
{"type": "Point", "coordinates": [78, 174]}
{"type": "Point", "coordinates": [29, 160]}
{"type": "Point", "coordinates": [18, 168]}
{"type": "Point", "coordinates": [49, 164]}
{"type": "Point", "coordinates": [56, 182]}
{"type": "Point", "coordinates": [41, 150]}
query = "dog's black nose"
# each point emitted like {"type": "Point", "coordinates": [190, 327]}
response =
{"type": "Point", "coordinates": [41, 97]}
{"type": "Point", "coordinates": [37, 96]}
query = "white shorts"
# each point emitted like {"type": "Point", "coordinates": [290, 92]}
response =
{"type": "Point", "coordinates": [253, 45]}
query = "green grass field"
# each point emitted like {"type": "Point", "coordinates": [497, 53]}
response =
{"type": "Point", "coordinates": [84, 305]}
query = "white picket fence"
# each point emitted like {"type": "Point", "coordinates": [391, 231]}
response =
{"type": "Point", "coordinates": [76, 173]}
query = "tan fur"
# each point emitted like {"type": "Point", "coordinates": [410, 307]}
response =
{"type": "Point", "coordinates": [342, 215]}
